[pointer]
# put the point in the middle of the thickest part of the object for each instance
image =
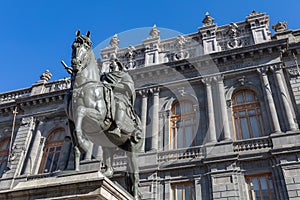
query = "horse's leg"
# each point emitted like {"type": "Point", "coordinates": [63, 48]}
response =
{"type": "Point", "coordinates": [108, 153]}
{"type": "Point", "coordinates": [75, 144]}
{"type": "Point", "coordinates": [133, 173]}
{"type": "Point", "coordinates": [83, 142]}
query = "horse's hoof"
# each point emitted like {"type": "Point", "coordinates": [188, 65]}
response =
{"type": "Point", "coordinates": [109, 172]}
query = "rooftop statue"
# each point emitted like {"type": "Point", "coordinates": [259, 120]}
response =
{"type": "Point", "coordinates": [100, 109]}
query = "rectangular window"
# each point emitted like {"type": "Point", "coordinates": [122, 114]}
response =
{"type": "Point", "coordinates": [260, 187]}
{"type": "Point", "coordinates": [183, 191]}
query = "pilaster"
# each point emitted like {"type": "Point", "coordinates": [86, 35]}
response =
{"type": "Point", "coordinates": [155, 119]}
{"type": "Point", "coordinates": [19, 149]}
{"type": "Point", "coordinates": [144, 93]}
{"type": "Point", "coordinates": [283, 97]}
{"type": "Point", "coordinates": [212, 137]}
{"type": "Point", "coordinates": [273, 117]}
{"type": "Point", "coordinates": [223, 109]}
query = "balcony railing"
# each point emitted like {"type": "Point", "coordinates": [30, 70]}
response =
{"type": "Point", "coordinates": [10, 96]}
{"type": "Point", "coordinates": [178, 154]}
{"type": "Point", "coordinates": [253, 144]}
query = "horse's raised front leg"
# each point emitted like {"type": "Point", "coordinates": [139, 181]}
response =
{"type": "Point", "coordinates": [108, 153]}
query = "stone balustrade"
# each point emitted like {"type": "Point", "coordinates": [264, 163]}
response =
{"type": "Point", "coordinates": [253, 144]}
{"type": "Point", "coordinates": [178, 154]}
{"type": "Point", "coordinates": [10, 96]}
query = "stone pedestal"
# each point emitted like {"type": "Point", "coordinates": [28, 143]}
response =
{"type": "Point", "coordinates": [88, 185]}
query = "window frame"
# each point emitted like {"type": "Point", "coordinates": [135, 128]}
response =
{"type": "Point", "coordinates": [182, 117]}
{"type": "Point", "coordinates": [250, 190]}
{"type": "Point", "coordinates": [57, 146]}
{"type": "Point", "coordinates": [247, 106]}
{"type": "Point", "coordinates": [192, 189]}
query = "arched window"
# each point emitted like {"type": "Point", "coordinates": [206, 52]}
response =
{"type": "Point", "coordinates": [4, 151]}
{"type": "Point", "coordinates": [247, 115]}
{"type": "Point", "coordinates": [182, 125]}
{"type": "Point", "coordinates": [52, 151]}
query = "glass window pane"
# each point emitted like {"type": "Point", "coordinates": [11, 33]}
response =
{"type": "Point", "coordinates": [251, 112]}
{"type": "Point", "coordinates": [245, 128]}
{"type": "Point", "coordinates": [264, 187]}
{"type": "Point", "coordinates": [256, 188]}
{"type": "Point", "coordinates": [239, 98]}
{"type": "Point", "coordinates": [178, 109]}
{"type": "Point", "coordinates": [271, 187]}
{"type": "Point", "coordinates": [237, 129]}
{"type": "Point", "coordinates": [254, 127]}
{"type": "Point", "coordinates": [179, 192]}
{"type": "Point", "coordinates": [249, 97]}
{"type": "Point", "coordinates": [242, 113]}
{"type": "Point", "coordinates": [188, 136]}
{"type": "Point", "coordinates": [48, 164]}
{"type": "Point", "coordinates": [55, 162]}
{"type": "Point", "coordinates": [179, 123]}
{"type": "Point", "coordinates": [187, 192]}
{"type": "Point", "coordinates": [62, 135]}
{"type": "Point", "coordinates": [261, 125]}
{"type": "Point", "coordinates": [180, 138]}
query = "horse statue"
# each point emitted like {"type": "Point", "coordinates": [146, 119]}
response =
{"type": "Point", "coordinates": [100, 109]}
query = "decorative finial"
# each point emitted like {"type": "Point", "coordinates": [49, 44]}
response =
{"type": "Point", "coordinates": [154, 33]}
{"type": "Point", "coordinates": [46, 76]}
{"type": "Point", "coordinates": [114, 42]}
{"type": "Point", "coordinates": [208, 20]}
{"type": "Point", "coordinates": [280, 26]}
{"type": "Point", "coordinates": [254, 13]}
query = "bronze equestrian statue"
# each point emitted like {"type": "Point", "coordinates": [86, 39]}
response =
{"type": "Point", "coordinates": [100, 110]}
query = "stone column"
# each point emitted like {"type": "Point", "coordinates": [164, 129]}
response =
{"type": "Point", "coordinates": [144, 94]}
{"type": "Point", "coordinates": [212, 137]}
{"type": "Point", "coordinates": [273, 117]}
{"type": "Point", "coordinates": [155, 119]}
{"type": "Point", "coordinates": [291, 126]}
{"type": "Point", "coordinates": [223, 109]}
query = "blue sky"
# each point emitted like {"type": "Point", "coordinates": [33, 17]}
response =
{"type": "Point", "coordinates": [37, 35]}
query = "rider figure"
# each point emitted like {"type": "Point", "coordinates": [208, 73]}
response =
{"type": "Point", "coordinates": [123, 92]}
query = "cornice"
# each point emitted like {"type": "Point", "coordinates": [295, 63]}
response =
{"type": "Point", "coordinates": [34, 100]}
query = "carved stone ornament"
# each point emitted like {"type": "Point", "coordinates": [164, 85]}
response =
{"type": "Point", "coordinates": [280, 26]}
{"type": "Point", "coordinates": [294, 71]}
{"type": "Point", "coordinates": [114, 42]}
{"type": "Point", "coordinates": [130, 55]}
{"type": "Point", "coordinates": [208, 20]}
{"type": "Point", "coordinates": [232, 32]}
{"type": "Point", "coordinates": [46, 76]}
{"type": "Point", "coordinates": [180, 44]}
{"type": "Point", "coordinates": [154, 33]}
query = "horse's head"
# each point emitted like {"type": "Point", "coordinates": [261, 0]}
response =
{"type": "Point", "coordinates": [81, 48]}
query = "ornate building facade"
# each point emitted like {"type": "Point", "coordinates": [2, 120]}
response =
{"type": "Point", "coordinates": [220, 109]}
